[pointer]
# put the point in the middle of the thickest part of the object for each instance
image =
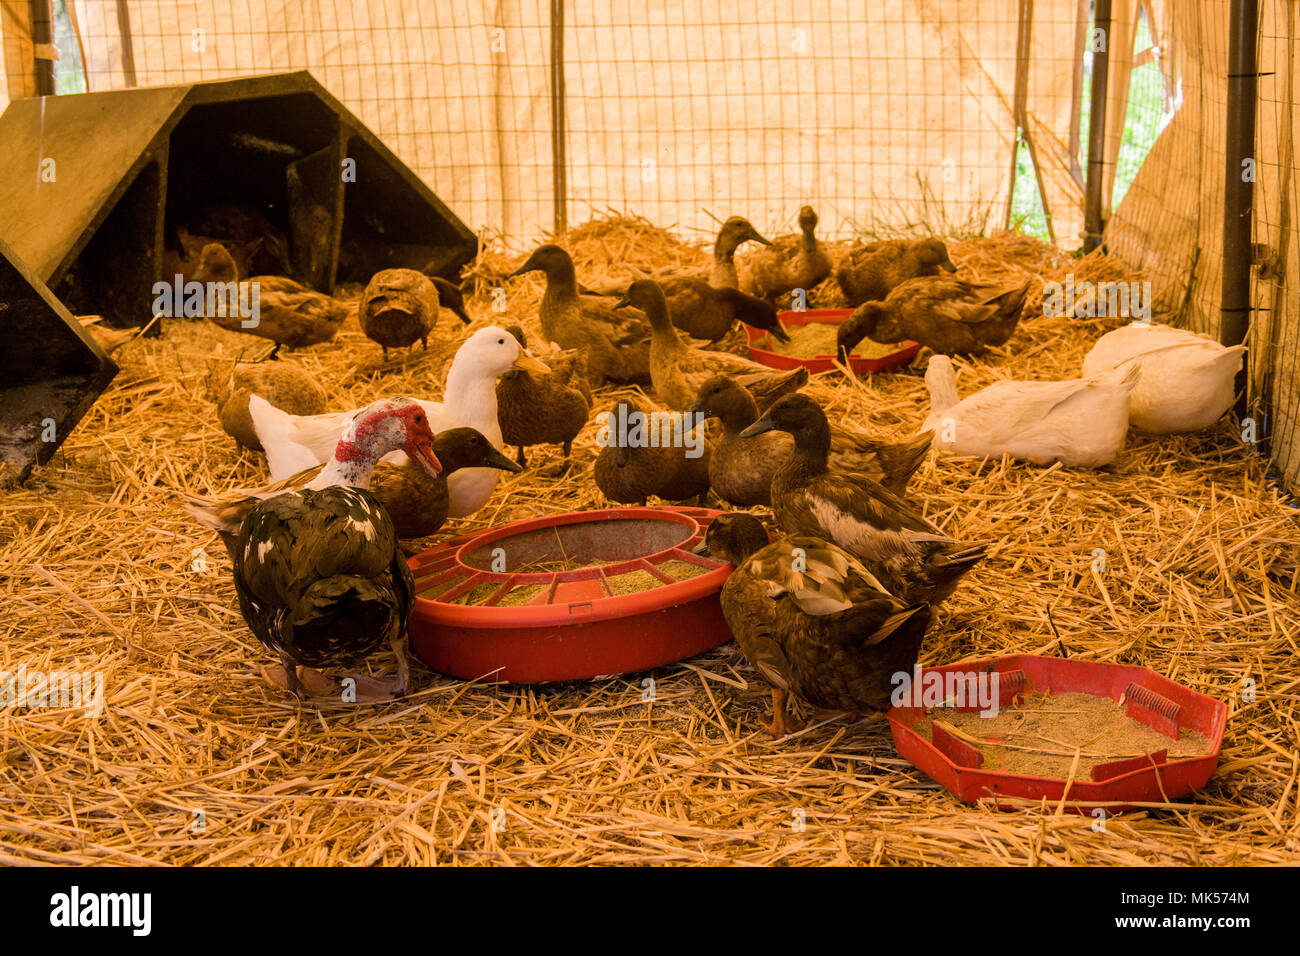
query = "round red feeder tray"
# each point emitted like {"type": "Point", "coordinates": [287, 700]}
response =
{"type": "Point", "coordinates": [825, 363]}
{"type": "Point", "coordinates": [571, 624]}
{"type": "Point", "coordinates": [1150, 698]}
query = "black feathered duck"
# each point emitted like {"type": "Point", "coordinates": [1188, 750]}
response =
{"type": "Point", "coordinates": [319, 576]}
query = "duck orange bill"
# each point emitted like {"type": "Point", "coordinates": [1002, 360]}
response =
{"type": "Point", "coordinates": [530, 364]}
{"type": "Point", "coordinates": [422, 452]}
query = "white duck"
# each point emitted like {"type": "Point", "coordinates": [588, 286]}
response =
{"type": "Point", "coordinates": [1188, 380]}
{"type": "Point", "coordinates": [295, 442]}
{"type": "Point", "coordinates": [1080, 423]}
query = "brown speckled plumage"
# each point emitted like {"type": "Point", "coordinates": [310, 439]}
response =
{"type": "Point", "coordinates": [544, 408]}
{"type": "Point", "coordinates": [399, 307]}
{"type": "Point", "coordinates": [790, 262]}
{"type": "Point", "coordinates": [947, 315]}
{"type": "Point", "coordinates": [284, 385]}
{"type": "Point", "coordinates": [741, 469]}
{"type": "Point", "coordinates": [813, 620]}
{"type": "Point", "coordinates": [664, 471]}
{"type": "Point", "coordinates": [870, 272]}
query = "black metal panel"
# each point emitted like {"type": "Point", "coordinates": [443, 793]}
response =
{"type": "Point", "coordinates": [50, 374]}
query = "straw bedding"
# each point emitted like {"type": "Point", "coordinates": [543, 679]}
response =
{"type": "Point", "coordinates": [196, 761]}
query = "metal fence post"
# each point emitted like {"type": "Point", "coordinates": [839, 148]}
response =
{"type": "Point", "coordinates": [1093, 223]}
{"type": "Point", "coordinates": [559, 179]}
{"type": "Point", "coordinates": [1239, 182]}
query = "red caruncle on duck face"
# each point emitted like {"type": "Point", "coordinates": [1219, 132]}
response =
{"type": "Point", "coordinates": [398, 423]}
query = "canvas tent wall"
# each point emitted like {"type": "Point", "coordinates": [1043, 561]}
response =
{"type": "Point", "coordinates": [882, 113]}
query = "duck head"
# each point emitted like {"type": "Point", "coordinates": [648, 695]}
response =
{"type": "Point", "coordinates": [754, 311]}
{"type": "Point", "coordinates": [216, 264]}
{"type": "Point", "coordinates": [450, 298]}
{"type": "Point", "coordinates": [733, 537]}
{"type": "Point", "coordinates": [490, 352]}
{"type": "Point", "coordinates": [797, 414]}
{"type": "Point", "coordinates": [721, 397]}
{"type": "Point", "coordinates": [861, 324]}
{"type": "Point", "coordinates": [551, 259]}
{"type": "Point", "coordinates": [646, 295]}
{"type": "Point", "coordinates": [932, 252]}
{"type": "Point", "coordinates": [518, 333]}
{"type": "Point", "coordinates": [734, 231]}
{"type": "Point", "coordinates": [459, 448]}
{"type": "Point", "coordinates": [390, 424]}
{"type": "Point", "coordinates": [807, 220]}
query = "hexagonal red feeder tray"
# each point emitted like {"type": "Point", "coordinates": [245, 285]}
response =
{"type": "Point", "coordinates": [824, 363]}
{"type": "Point", "coordinates": [568, 624]}
{"type": "Point", "coordinates": [1151, 699]}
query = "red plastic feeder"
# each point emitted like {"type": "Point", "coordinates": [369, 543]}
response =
{"type": "Point", "coordinates": [825, 363]}
{"type": "Point", "coordinates": [569, 624]}
{"type": "Point", "coordinates": [1151, 699]}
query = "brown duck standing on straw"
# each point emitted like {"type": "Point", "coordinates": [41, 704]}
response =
{"type": "Point", "coordinates": [678, 370]}
{"type": "Point", "coordinates": [814, 621]}
{"type": "Point", "coordinates": [401, 306]}
{"type": "Point", "coordinates": [544, 408]}
{"type": "Point", "coordinates": [319, 576]}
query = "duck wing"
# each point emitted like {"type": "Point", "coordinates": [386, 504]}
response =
{"type": "Point", "coordinates": [858, 514]}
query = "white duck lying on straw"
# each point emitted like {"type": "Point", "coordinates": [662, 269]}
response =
{"type": "Point", "coordinates": [1188, 380]}
{"type": "Point", "coordinates": [296, 442]}
{"type": "Point", "coordinates": [1080, 423]}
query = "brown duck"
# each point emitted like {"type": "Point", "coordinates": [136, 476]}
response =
{"type": "Point", "coordinates": [630, 469]}
{"type": "Point", "coordinates": [618, 343]}
{"type": "Point", "coordinates": [741, 469]}
{"type": "Point", "coordinates": [870, 272]}
{"type": "Point", "coordinates": [678, 370]}
{"type": "Point", "coordinates": [290, 314]}
{"type": "Point", "coordinates": [733, 233]}
{"type": "Point", "coordinates": [400, 307]}
{"type": "Point", "coordinates": [544, 409]}
{"type": "Point", "coordinates": [706, 312]}
{"type": "Point", "coordinates": [415, 501]}
{"type": "Point", "coordinates": [813, 620]}
{"type": "Point", "coordinates": [917, 562]}
{"type": "Point", "coordinates": [950, 316]}
{"type": "Point", "coordinates": [789, 263]}
{"type": "Point", "coordinates": [284, 385]}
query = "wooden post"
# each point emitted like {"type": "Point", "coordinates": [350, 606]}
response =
{"type": "Point", "coordinates": [1093, 224]}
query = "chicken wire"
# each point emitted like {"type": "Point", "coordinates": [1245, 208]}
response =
{"type": "Point", "coordinates": [887, 116]}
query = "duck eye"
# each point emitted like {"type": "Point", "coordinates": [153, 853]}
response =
{"type": "Point", "coordinates": [501, 341]}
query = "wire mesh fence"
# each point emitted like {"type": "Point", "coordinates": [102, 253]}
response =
{"type": "Point", "coordinates": [887, 116]}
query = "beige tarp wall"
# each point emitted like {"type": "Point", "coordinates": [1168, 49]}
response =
{"type": "Point", "coordinates": [1171, 221]}
{"type": "Point", "coordinates": [883, 113]}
